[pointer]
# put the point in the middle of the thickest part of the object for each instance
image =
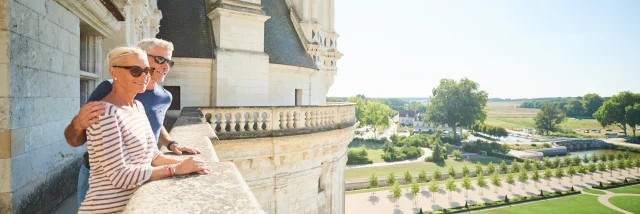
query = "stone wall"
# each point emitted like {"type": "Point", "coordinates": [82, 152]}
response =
{"type": "Point", "coordinates": [193, 75]}
{"type": "Point", "coordinates": [293, 174]}
{"type": "Point", "coordinates": [284, 80]}
{"type": "Point", "coordinates": [39, 64]}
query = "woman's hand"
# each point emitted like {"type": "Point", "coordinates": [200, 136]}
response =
{"type": "Point", "coordinates": [192, 164]}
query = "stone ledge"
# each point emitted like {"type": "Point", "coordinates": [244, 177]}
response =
{"type": "Point", "coordinates": [224, 190]}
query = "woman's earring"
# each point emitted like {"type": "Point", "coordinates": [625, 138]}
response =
{"type": "Point", "coordinates": [115, 79]}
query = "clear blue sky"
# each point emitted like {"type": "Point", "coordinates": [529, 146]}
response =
{"type": "Point", "coordinates": [514, 49]}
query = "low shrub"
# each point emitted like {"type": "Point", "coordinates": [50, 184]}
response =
{"type": "Point", "coordinates": [517, 200]}
{"type": "Point", "coordinates": [616, 184]}
{"type": "Point", "coordinates": [358, 156]}
{"type": "Point", "coordinates": [534, 145]}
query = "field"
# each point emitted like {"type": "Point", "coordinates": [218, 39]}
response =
{"type": "Point", "coordinates": [635, 189]}
{"type": "Point", "coordinates": [508, 115]}
{"type": "Point", "coordinates": [628, 203]}
{"type": "Point", "coordinates": [570, 204]}
{"type": "Point", "coordinates": [414, 168]}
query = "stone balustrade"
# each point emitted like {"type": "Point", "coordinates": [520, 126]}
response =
{"type": "Point", "coordinates": [251, 122]}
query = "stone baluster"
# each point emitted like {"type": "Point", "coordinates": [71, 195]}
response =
{"type": "Point", "coordinates": [316, 118]}
{"type": "Point", "coordinates": [321, 117]}
{"type": "Point", "coordinates": [307, 118]}
{"type": "Point", "coordinates": [223, 122]}
{"type": "Point", "coordinates": [243, 121]}
{"type": "Point", "coordinates": [283, 119]}
{"type": "Point", "coordinates": [297, 119]}
{"type": "Point", "coordinates": [269, 120]}
{"type": "Point", "coordinates": [289, 115]}
{"type": "Point", "coordinates": [233, 121]}
{"type": "Point", "coordinates": [250, 121]}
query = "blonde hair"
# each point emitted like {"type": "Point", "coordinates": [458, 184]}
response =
{"type": "Point", "coordinates": [150, 43]}
{"type": "Point", "coordinates": [117, 55]}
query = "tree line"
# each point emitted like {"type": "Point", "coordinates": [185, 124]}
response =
{"type": "Point", "coordinates": [572, 107]}
{"type": "Point", "coordinates": [397, 104]}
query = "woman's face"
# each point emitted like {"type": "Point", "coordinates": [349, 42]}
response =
{"type": "Point", "coordinates": [124, 78]}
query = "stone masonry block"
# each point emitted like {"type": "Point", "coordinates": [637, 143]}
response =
{"type": "Point", "coordinates": [22, 114]}
{"type": "Point", "coordinates": [5, 175]}
{"type": "Point", "coordinates": [54, 131]}
{"type": "Point", "coordinates": [19, 51]}
{"type": "Point", "coordinates": [46, 31]}
{"type": "Point", "coordinates": [63, 40]}
{"type": "Point", "coordinates": [20, 171]}
{"type": "Point", "coordinates": [5, 122]}
{"type": "Point", "coordinates": [4, 46]}
{"type": "Point", "coordinates": [4, 80]}
{"type": "Point", "coordinates": [41, 161]}
{"type": "Point", "coordinates": [5, 144]}
{"type": "Point", "coordinates": [57, 61]}
{"type": "Point", "coordinates": [74, 45]}
{"type": "Point", "coordinates": [36, 5]}
{"type": "Point", "coordinates": [71, 65]}
{"type": "Point", "coordinates": [55, 12]}
{"type": "Point", "coordinates": [17, 142]}
{"type": "Point", "coordinates": [4, 15]}
{"type": "Point", "coordinates": [24, 21]}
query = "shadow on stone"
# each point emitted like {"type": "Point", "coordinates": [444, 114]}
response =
{"type": "Point", "coordinates": [454, 204]}
{"type": "Point", "coordinates": [425, 194]}
{"type": "Point", "coordinates": [436, 207]}
{"type": "Point", "coordinates": [486, 200]}
{"type": "Point", "coordinates": [408, 196]}
{"type": "Point", "coordinates": [397, 211]}
{"type": "Point", "coordinates": [374, 199]}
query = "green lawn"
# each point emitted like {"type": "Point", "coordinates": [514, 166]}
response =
{"type": "Point", "coordinates": [415, 168]}
{"type": "Point", "coordinates": [635, 189]}
{"type": "Point", "coordinates": [374, 151]}
{"type": "Point", "coordinates": [628, 203]}
{"type": "Point", "coordinates": [593, 191]}
{"type": "Point", "coordinates": [571, 204]}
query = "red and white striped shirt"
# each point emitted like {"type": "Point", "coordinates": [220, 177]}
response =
{"type": "Point", "coordinates": [121, 147]}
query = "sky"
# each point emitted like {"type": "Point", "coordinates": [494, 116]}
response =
{"type": "Point", "coordinates": [512, 49]}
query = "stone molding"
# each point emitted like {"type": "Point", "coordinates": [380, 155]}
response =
{"type": "Point", "coordinates": [280, 68]}
{"type": "Point", "coordinates": [95, 14]}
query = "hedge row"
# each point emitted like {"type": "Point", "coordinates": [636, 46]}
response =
{"type": "Point", "coordinates": [617, 184]}
{"type": "Point", "coordinates": [517, 200]}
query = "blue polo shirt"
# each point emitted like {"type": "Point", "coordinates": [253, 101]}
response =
{"type": "Point", "coordinates": [156, 102]}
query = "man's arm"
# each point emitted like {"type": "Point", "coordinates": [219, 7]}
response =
{"type": "Point", "coordinates": [165, 138]}
{"type": "Point", "coordinates": [75, 133]}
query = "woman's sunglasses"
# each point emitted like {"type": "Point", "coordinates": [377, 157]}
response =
{"type": "Point", "coordinates": [137, 71]}
{"type": "Point", "coordinates": [161, 60]}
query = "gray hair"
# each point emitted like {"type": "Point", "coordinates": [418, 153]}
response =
{"type": "Point", "coordinates": [150, 43]}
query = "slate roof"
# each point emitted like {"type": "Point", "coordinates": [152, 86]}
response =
{"type": "Point", "coordinates": [403, 113]}
{"type": "Point", "coordinates": [281, 40]}
{"type": "Point", "coordinates": [185, 23]}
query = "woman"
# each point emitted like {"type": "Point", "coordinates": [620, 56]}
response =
{"type": "Point", "coordinates": [122, 149]}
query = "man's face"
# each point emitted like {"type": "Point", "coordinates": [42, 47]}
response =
{"type": "Point", "coordinates": [161, 69]}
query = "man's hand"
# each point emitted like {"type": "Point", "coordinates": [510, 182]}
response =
{"type": "Point", "coordinates": [178, 149]}
{"type": "Point", "coordinates": [88, 115]}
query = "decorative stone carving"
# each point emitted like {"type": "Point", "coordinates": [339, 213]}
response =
{"type": "Point", "coordinates": [94, 13]}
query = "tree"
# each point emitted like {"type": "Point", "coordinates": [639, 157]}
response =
{"type": "Point", "coordinates": [620, 165]}
{"type": "Point", "coordinates": [373, 182]}
{"type": "Point", "coordinates": [523, 177]}
{"type": "Point", "coordinates": [547, 162]}
{"type": "Point", "coordinates": [465, 170]}
{"type": "Point", "coordinates": [548, 175]}
{"type": "Point", "coordinates": [407, 177]}
{"type": "Point", "coordinates": [450, 185]}
{"type": "Point", "coordinates": [592, 169]}
{"type": "Point", "coordinates": [603, 157]}
{"type": "Point", "coordinates": [582, 170]}
{"type": "Point", "coordinates": [438, 153]}
{"type": "Point", "coordinates": [593, 158]}
{"type": "Point", "coordinates": [536, 177]}
{"type": "Point", "coordinates": [574, 108]}
{"type": "Point", "coordinates": [415, 188]}
{"type": "Point", "coordinates": [503, 167]}
{"type": "Point", "coordinates": [633, 116]}
{"type": "Point", "coordinates": [433, 188]}
{"type": "Point", "coordinates": [615, 111]}
{"type": "Point", "coordinates": [510, 180]}
{"type": "Point", "coordinates": [527, 165]}
{"type": "Point", "coordinates": [396, 192]}
{"type": "Point", "coordinates": [591, 103]}
{"type": "Point", "coordinates": [360, 108]}
{"type": "Point", "coordinates": [602, 168]}
{"type": "Point", "coordinates": [457, 154]}
{"type": "Point", "coordinates": [636, 163]}
{"type": "Point", "coordinates": [496, 181]}
{"type": "Point", "coordinates": [612, 166]}
{"type": "Point", "coordinates": [585, 159]}
{"type": "Point", "coordinates": [376, 114]}
{"type": "Point", "coordinates": [481, 182]}
{"type": "Point", "coordinates": [491, 168]}
{"type": "Point", "coordinates": [556, 162]}
{"type": "Point", "coordinates": [515, 166]}
{"type": "Point", "coordinates": [391, 178]}
{"type": "Point", "coordinates": [628, 163]}
{"type": "Point", "coordinates": [452, 172]}
{"type": "Point", "coordinates": [457, 104]}
{"type": "Point", "coordinates": [479, 168]}
{"type": "Point", "coordinates": [549, 119]}
{"type": "Point", "coordinates": [559, 173]}
{"type": "Point", "coordinates": [422, 176]}
{"type": "Point", "coordinates": [567, 161]}
{"type": "Point", "coordinates": [571, 172]}
{"type": "Point", "coordinates": [466, 184]}
{"type": "Point", "coordinates": [437, 175]}
{"type": "Point", "coordinates": [576, 160]}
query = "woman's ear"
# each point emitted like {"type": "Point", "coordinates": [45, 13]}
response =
{"type": "Point", "coordinates": [112, 71]}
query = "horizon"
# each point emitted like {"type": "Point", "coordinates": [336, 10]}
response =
{"type": "Point", "coordinates": [516, 50]}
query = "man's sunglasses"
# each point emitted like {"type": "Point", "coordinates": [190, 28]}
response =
{"type": "Point", "coordinates": [161, 60]}
{"type": "Point", "coordinates": [137, 71]}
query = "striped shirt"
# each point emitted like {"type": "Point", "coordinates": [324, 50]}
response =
{"type": "Point", "coordinates": [121, 147]}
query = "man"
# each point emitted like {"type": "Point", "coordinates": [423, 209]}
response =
{"type": "Point", "coordinates": [156, 101]}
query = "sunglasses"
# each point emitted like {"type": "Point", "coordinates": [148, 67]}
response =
{"type": "Point", "coordinates": [161, 60]}
{"type": "Point", "coordinates": [137, 71]}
